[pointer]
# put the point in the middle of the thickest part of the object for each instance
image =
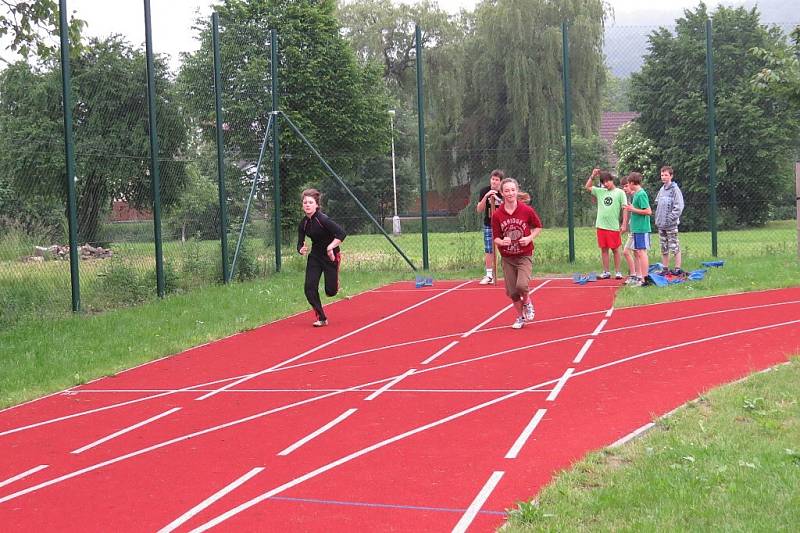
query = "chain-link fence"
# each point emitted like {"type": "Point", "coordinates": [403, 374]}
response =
{"type": "Point", "coordinates": [349, 126]}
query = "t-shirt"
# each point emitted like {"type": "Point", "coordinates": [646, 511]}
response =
{"type": "Point", "coordinates": [515, 225]}
{"type": "Point", "coordinates": [640, 223]}
{"type": "Point", "coordinates": [609, 207]}
{"type": "Point", "coordinates": [321, 229]}
{"type": "Point", "coordinates": [498, 201]}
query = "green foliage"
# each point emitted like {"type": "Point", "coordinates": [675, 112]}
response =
{"type": "Point", "coordinates": [616, 93]}
{"type": "Point", "coordinates": [636, 152]}
{"type": "Point", "coordinates": [756, 134]}
{"type": "Point", "coordinates": [32, 27]}
{"type": "Point", "coordinates": [339, 105]}
{"type": "Point", "coordinates": [196, 211]}
{"type": "Point", "coordinates": [780, 74]}
{"type": "Point", "coordinates": [111, 129]}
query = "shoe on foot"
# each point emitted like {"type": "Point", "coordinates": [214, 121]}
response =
{"type": "Point", "coordinates": [486, 280]}
{"type": "Point", "coordinates": [605, 275]}
{"type": "Point", "coordinates": [320, 323]}
{"type": "Point", "coordinates": [664, 271]}
{"type": "Point", "coordinates": [676, 272]}
{"type": "Point", "coordinates": [527, 309]}
{"type": "Point", "coordinates": [632, 280]}
{"type": "Point", "coordinates": [618, 275]}
{"type": "Point", "coordinates": [518, 323]}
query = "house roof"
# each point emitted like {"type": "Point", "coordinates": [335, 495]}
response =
{"type": "Point", "coordinates": [610, 123]}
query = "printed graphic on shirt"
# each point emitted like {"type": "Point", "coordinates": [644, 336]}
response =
{"type": "Point", "coordinates": [514, 229]}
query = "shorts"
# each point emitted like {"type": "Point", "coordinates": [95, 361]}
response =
{"type": "Point", "coordinates": [668, 239]}
{"type": "Point", "coordinates": [641, 241]}
{"type": "Point", "coordinates": [608, 238]}
{"type": "Point", "coordinates": [629, 242]}
{"type": "Point", "coordinates": [488, 241]}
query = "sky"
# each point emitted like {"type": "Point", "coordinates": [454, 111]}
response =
{"type": "Point", "coordinates": [172, 19]}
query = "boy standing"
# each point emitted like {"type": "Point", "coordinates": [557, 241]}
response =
{"type": "Point", "coordinates": [627, 249]}
{"type": "Point", "coordinates": [515, 226]}
{"type": "Point", "coordinates": [640, 225]}
{"type": "Point", "coordinates": [610, 203]}
{"type": "Point", "coordinates": [489, 199]}
{"type": "Point", "coordinates": [669, 206]}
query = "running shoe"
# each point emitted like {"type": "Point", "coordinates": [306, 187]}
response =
{"type": "Point", "coordinates": [605, 275]}
{"type": "Point", "coordinates": [320, 323]}
{"type": "Point", "coordinates": [518, 323]}
{"type": "Point", "coordinates": [618, 275]}
{"type": "Point", "coordinates": [486, 280]}
{"type": "Point", "coordinates": [529, 312]}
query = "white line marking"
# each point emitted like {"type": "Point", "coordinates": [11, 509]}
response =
{"type": "Point", "coordinates": [185, 517]}
{"type": "Point", "coordinates": [326, 344]}
{"type": "Point", "coordinates": [559, 385]}
{"type": "Point", "coordinates": [22, 475]}
{"type": "Point", "coordinates": [599, 327]}
{"type": "Point", "coordinates": [372, 447]}
{"type": "Point", "coordinates": [477, 503]}
{"type": "Point", "coordinates": [361, 390]}
{"type": "Point", "coordinates": [501, 311]}
{"type": "Point", "coordinates": [632, 435]}
{"type": "Point", "coordinates": [525, 435]}
{"type": "Point", "coordinates": [609, 312]}
{"type": "Point", "coordinates": [388, 386]}
{"type": "Point", "coordinates": [318, 432]}
{"type": "Point", "coordinates": [125, 430]}
{"type": "Point", "coordinates": [586, 345]}
{"type": "Point", "coordinates": [440, 352]}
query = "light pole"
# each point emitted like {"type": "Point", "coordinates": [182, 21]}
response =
{"type": "Point", "coordinates": [395, 218]}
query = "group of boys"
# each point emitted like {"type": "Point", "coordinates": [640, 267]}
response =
{"type": "Point", "coordinates": [511, 226]}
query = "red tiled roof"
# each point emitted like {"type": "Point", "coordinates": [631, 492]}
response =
{"type": "Point", "coordinates": [610, 123]}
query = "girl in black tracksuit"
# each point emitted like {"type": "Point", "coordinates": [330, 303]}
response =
{"type": "Point", "coordinates": [324, 256]}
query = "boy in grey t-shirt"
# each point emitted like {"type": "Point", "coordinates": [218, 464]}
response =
{"type": "Point", "coordinates": [669, 206]}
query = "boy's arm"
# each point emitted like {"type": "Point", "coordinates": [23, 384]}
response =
{"type": "Point", "coordinates": [590, 182]}
{"type": "Point", "coordinates": [677, 205]}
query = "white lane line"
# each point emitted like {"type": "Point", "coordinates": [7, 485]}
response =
{"type": "Point", "coordinates": [525, 435]}
{"type": "Point", "coordinates": [440, 352]}
{"type": "Point", "coordinates": [372, 447]}
{"type": "Point", "coordinates": [326, 344]}
{"type": "Point", "coordinates": [609, 312]}
{"type": "Point", "coordinates": [477, 503]}
{"type": "Point", "coordinates": [500, 312]}
{"type": "Point", "coordinates": [559, 385]}
{"type": "Point", "coordinates": [388, 386]}
{"type": "Point", "coordinates": [125, 430]}
{"type": "Point", "coordinates": [22, 475]}
{"type": "Point", "coordinates": [185, 517]}
{"type": "Point", "coordinates": [599, 327]}
{"type": "Point", "coordinates": [632, 435]}
{"type": "Point", "coordinates": [318, 432]}
{"type": "Point", "coordinates": [586, 345]}
{"type": "Point", "coordinates": [316, 391]}
{"type": "Point", "coordinates": [107, 407]}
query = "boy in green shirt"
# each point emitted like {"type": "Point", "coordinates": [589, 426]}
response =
{"type": "Point", "coordinates": [610, 203]}
{"type": "Point", "coordinates": [640, 211]}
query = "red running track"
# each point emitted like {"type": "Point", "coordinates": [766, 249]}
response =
{"type": "Point", "coordinates": [415, 410]}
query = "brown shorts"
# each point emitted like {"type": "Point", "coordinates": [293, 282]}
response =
{"type": "Point", "coordinates": [517, 273]}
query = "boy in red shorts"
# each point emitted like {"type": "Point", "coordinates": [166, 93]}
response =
{"type": "Point", "coordinates": [610, 209]}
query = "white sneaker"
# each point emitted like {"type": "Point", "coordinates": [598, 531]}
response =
{"type": "Point", "coordinates": [529, 312]}
{"type": "Point", "coordinates": [486, 280]}
{"type": "Point", "coordinates": [518, 323]}
{"type": "Point", "coordinates": [618, 275]}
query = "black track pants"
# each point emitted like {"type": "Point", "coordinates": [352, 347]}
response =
{"type": "Point", "coordinates": [315, 267]}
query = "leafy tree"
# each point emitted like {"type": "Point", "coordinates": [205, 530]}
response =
{"type": "Point", "coordinates": [636, 153]}
{"type": "Point", "coordinates": [32, 25]}
{"type": "Point", "coordinates": [111, 128]}
{"type": "Point", "coordinates": [339, 105]}
{"type": "Point", "coordinates": [755, 133]}
{"type": "Point", "coordinates": [615, 93]}
{"type": "Point", "coordinates": [780, 74]}
{"type": "Point", "coordinates": [514, 100]}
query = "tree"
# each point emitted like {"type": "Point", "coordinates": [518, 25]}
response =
{"type": "Point", "coordinates": [339, 105]}
{"type": "Point", "coordinates": [111, 128]}
{"type": "Point", "coordinates": [513, 100]}
{"type": "Point", "coordinates": [31, 26]}
{"type": "Point", "coordinates": [780, 74]}
{"type": "Point", "coordinates": [755, 133]}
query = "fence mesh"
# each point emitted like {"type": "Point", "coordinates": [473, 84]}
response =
{"type": "Point", "coordinates": [638, 101]}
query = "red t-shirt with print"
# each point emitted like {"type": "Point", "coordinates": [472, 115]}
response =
{"type": "Point", "coordinates": [515, 225]}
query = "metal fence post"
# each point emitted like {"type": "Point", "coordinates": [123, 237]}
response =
{"type": "Point", "coordinates": [568, 140]}
{"type": "Point", "coordinates": [423, 179]}
{"type": "Point", "coordinates": [712, 141]}
{"type": "Point", "coordinates": [154, 169]}
{"type": "Point", "coordinates": [276, 148]}
{"type": "Point", "coordinates": [223, 208]}
{"type": "Point", "coordinates": [69, 148]}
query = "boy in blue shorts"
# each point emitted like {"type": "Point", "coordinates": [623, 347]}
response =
{"type": "Point", "coordinates": [489, 199]}
{"type": "Point", "coordinates": [640, 212]}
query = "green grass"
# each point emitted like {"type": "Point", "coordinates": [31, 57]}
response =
{"type": "Point", "coordinates": [729, 461]}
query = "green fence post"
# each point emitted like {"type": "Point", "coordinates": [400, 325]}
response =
{"type": "Point", "coordinates": [69, 148]}
{"type": "Point", "coordinates": [154, 177]}
{"type": "Point", "coordinates": [568, 140]}
{"type": "Point", "coordinates": [423, 179]}
{"type": "Point", "coordinates": [223, 207]}
{"type": "Point", "coordinates": [276, 148]}
{"type": "Point", "coordinates": [712, 140]}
